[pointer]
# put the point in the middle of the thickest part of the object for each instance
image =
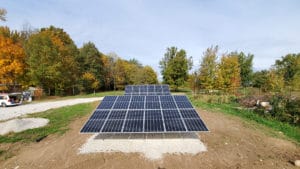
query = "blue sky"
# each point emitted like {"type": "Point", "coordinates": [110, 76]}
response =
{"type": "Point", "coordinates": [144, 29]}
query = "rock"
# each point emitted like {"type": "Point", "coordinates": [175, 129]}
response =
{"type": "Point", "coordinates": [297, 163]}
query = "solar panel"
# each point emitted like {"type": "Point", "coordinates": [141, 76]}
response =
{"type": "Point", "coordinates": [144, 114]}
{"type": "Point", "coordinates": [133, 126]}
{"type": "Point", "coordinates": [147, 90]}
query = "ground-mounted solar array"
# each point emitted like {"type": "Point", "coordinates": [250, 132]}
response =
{"type": "Point", "coordinates": [147, 90]}
{"type": "Point", "coordinates": [144, 114]}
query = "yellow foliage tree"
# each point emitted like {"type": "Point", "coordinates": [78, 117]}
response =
{"type": "Point", "coordinates": [11, 59]}
{"type": "Point", "coordinates": [228, 75]}
{"type": "Point", "coordinates": [91, 81]}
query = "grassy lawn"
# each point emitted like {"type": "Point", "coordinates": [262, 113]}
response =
{"type": "Point", "coordinates": [99, 94]}
{"type": "Point", "coordinates": [292, 132]}
{"type": "Point", "coordinates": [59, 120]}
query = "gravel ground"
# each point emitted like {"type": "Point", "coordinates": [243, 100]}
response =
{"type": "Point", "coordinates": [12, 112]}
{"type": "Point", "coordinates": [152, 146]}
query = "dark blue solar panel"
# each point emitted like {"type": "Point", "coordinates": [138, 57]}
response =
{"type": "Point", "coordinates": [123, 98]}
{"type": "Point", "coordinates": [100, 114]}
{"type": "Point", "coordinates": [133, 126]}
{"type": "Point", "coordinates": [117, 114]}
{"type": "Point", "coordinates": [135, 115]}
{"type": "Point", "coordinates": [171, 114]}
{"type": "Point", "coordinates": [138, 99]}
{"type": "Point", "coordinates": [105, 105]}
{"type": "Point", "coordinates": [185, 105]}
{"type": "Point", "coordinates": [109, 98]}
{"type": "Point", "coordinates": [195, 125]}
{"type": "Point", "coordinates": [168, 105]}
{"type": "Point", "coordinates": [143, 89]}
{"type": "Point", "coordinates": [189, 113]}
{"type": "Point", "coordinates": [153, 114]}
{"type": "Point", "coordinates": [152, 125]}
{"type": "Point", "coordinates": [147, 90]}
{"type": "Point", "coordinates": [152, 98]}
{"type": "Point", "coordinates": [135, 89]}
{"type": "Point", "coordinates": [181, 98]}
{"type": "Point", "coordinates": [136, 105]}
{"type": "Point", "coordinates": [128, 89]}
{"type": "Point", "coordinates": [121, 105]}
{"type": "Point", "coordinates": [157, 113]}
{"type": "Point", "coordinates": [152, 105]}
{"type": "Point", "coordinates": [150, 88]}
{"type": "Point", "coordinates": [166, 98]}
{"type": "Point", "coordinates": [92, 126]}
{"type": "Point", "coordinates": [113, 126]}
{"type": "Point", "coordinates": [158, 89]}
{"type": "Point", "coordinates": [174, 125]}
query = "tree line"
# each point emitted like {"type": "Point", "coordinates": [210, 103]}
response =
{"type": "Point", "coordinates": [48, 58]}
{"type": "Point", "coordinates": [223, 76]}
{"type": "Point", "coordinates": [229, 71]}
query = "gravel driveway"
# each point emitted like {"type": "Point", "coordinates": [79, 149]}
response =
{"type": "Point", "coordinates": [12, 112]}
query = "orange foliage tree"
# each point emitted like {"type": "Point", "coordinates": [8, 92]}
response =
{"type": "Point", "coordinates": [11, 58]}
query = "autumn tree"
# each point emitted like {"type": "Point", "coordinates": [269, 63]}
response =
{"type": "Point", "coordinates": [51, 61]}
{"type": "Point", "coordinates": [108, 71]}
{"type": "Point", "coordinates": [90, 81]}
{"type": "Point", "coordinates": [208, 68]}
{"type": "Point", "coordinates": [12, 58]}
{"type": "Point", "coordinates": [194, 82]}
{"type": "Point", "coordinates": [91, 62]}
{"type": "Point", "coordinates": [274, 81]}
{"type": "Point", "coordinates": [175, 66]}
{"type": "Point", "coordinates": [148, 76]}
{"type": "Point", "coordinates": [289, 67]}
{"type": "Point", "coordinates": [120, 74]}
{"type": "Point", "coordinates": [228, 76]}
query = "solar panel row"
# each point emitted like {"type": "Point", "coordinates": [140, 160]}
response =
{"type": "Point", "coordinates": [145, 121]}
{"type": "Point", "coordinates": [147, 90]}
{"type": "Point", "coordinates": [131, 114]}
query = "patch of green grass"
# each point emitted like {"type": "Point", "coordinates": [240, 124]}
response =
{"type": "Point", "coordinates": [59, 119]}
{"type": "Point", "coordinates": [107, 93]}
{"type": "Point", "coordinates": [292, 132]}
{"type": "Point", "coordinates": [99, 94]}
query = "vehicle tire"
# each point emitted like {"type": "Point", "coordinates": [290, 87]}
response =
{"type": "Point", "coordinates": [3, 104]}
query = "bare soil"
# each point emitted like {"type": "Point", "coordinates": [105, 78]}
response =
{"type": "Point", "coordinates": [231, 143]}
